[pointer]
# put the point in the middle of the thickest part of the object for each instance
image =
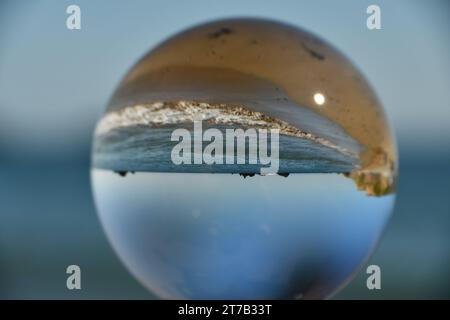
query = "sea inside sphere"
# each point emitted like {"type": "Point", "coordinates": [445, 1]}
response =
{"type": "Point", "coordinates": [226, 230]}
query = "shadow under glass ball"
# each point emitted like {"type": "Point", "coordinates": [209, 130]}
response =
{"type": "Point", "coordinates": [224, 231]}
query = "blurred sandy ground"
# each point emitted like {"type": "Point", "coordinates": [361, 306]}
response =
{"type": "Point", "coordinates": [54, 85]}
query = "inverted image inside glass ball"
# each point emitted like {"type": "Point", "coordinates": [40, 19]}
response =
{"type": "Point", "coordinates": [223, 230]}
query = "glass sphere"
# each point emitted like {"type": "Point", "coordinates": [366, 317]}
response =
{"type": "Point", "coordinates": [201, 220]}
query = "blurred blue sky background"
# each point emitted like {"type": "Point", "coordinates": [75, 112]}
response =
{"type": "Point", "coordinates": [54, 80]}
{"type": "Point", "coordinates": [55, 83]}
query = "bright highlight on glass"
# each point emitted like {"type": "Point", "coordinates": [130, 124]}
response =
{"type": "Point", "coordinates": [319, 99]}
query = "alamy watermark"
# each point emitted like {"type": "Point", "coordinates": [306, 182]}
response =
{"type": "Point", "coordinates": [73, 281]}
{"type": "Point", "coordinates": [373, 281]}
{"type": "Point", "coordinates": [373, 21]}
{"type": "Point", "coordinates": [190, 150]}
{"type": "Point", "coordinates": [73, 21]}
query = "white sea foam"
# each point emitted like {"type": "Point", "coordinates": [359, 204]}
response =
{"type": "Point", "coordinates": [171, 113]}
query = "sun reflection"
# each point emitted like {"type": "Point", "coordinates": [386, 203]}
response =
{"type": "Point", "coordinates": [319, 98]}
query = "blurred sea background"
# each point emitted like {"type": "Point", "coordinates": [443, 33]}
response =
{"type": "Point", "coordinates": [55, 83]}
